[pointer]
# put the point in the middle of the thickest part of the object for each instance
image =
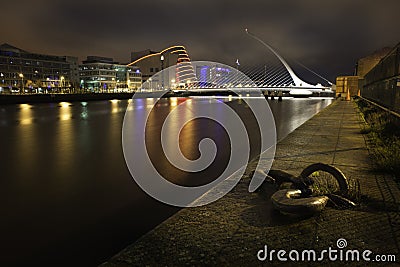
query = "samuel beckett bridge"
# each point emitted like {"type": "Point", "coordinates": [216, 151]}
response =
{"type": "Point", "coordinates": [201, 77]}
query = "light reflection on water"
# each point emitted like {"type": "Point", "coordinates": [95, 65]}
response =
{"type": "Point", "coordinates": [66, 182]}
{"type": "Point", "coordinates": [65, 136]}
{"type": "Point", "coordinates": [65, 111]}
{"type": "Point", "coordinates": [114, 106]}
{"type": "Point", "coordinates": [26, 114]}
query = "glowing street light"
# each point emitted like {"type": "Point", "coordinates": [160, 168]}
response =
{"type": "Point", "coordinates": [61, 82]}
{"type": "Point", "coordinates": [162, 67]}
{"type": "Point", "coordinates": [2, 77]}
{"type": "Point", "coordinates": [22, 82]}
{"type": "Point", "coordinates": [188, 84]}
{"type": "Point", "coordinates": [151, 87]}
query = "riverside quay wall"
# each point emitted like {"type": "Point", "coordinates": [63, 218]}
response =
{"type": "Point", "coordinates": [382, 83]}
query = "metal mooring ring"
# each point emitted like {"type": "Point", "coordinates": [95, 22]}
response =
{"type": "Point", "coordinates": [338, 174]}
{"type": "Point", "coordinates": [289, 201]}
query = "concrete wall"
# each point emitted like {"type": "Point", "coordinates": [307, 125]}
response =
{"type": "Point", "coordinates": [365, 64]}
{"type": "Point", "coordinates": [382, 83]}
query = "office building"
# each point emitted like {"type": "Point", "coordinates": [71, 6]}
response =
{"type": "Point", "coordinates": [102, 74]}
{"type": "Point", "coordinates": [36, 73]}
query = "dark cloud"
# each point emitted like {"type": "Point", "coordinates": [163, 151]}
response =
{"type": "Point", "coordinates": [327, 36]}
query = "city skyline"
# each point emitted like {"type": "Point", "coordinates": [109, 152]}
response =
{"type": "Point", "coordinates": [328, 37]}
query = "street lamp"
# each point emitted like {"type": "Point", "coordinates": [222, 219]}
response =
{"type": "Point", "coordinates": [162, 67]}
{"type": "Point", "coordinates": [22, 82]}
{"type": "Point", "coordinates": [61, 82]}
{"type": "Point", "coordinates": [151, 87]}
{"type": "Point", "coordinates": [48, 85]}
{"type": "Point", "coordinates": [113, 84]}
{"type": "Point", "coordinates": [2, 77]}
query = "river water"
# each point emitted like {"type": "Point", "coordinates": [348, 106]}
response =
{"type": "Point", "coordinates": [67, 197]}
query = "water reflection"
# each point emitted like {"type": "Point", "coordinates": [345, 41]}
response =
{"type": "Point", "coordinates": [25, 114]}
{"type": "Point", "coordinates": [188, 145]}
{"type": "Point", "coordinates": [173, 101]}
{"type": "Point", "coordinates": [84, 112]}
{"type": "Point", "coordinates": [291, 113]}
{"type": "Point", "coordinates": [67, 184]}
{"type": "Point", "coordinates": [65, 138]}
{"type": "Point", "coordinates": [25, 145]}
{"type": "Point", "coordinates": [65, 111]}
{"type": "Point", "coordinates": [114, 106]}
{"type": "Point", "coordinates": [149, 102]}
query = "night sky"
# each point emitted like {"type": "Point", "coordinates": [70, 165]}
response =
{"type": "Point", "coordinates": [327, 36]}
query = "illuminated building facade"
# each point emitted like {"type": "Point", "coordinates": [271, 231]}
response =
{"type": "Point", "coordinates": [102, 74]}
{"type": "Point", "coordinates": [214, 76]}
{"type": "Point", "coordinates": [151, 62]}
{"type": "Point", "coordinates": [36, 73]}
{"type": "Point", "coordinates": [345, 84]}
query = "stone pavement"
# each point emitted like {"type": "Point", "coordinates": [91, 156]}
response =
{"type": "Point", "coordinates": [233, 229]}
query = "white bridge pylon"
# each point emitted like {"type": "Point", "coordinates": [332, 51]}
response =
{"type": "Point", "coordinates": [299, 84]}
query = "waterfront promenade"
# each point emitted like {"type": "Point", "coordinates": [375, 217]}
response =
{"type": "Point", "coordinates": [233, 229]}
